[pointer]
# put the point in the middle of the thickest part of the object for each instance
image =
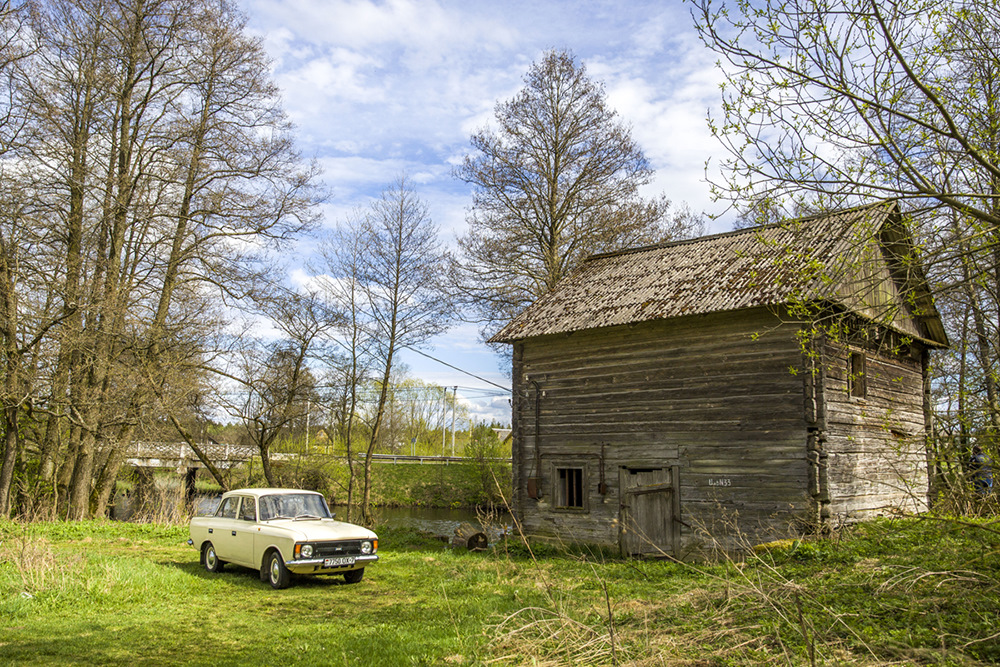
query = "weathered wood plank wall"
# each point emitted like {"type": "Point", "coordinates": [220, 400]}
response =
{"type": "Point", "coordinates": [719, 396]}
{"type": "Point", "coordinates": [876, 455]}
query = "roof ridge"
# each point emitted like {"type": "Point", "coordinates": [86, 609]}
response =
{"type": "Point", "coordinates": [765, 266]}
{"type": "Point", "coordinates": [735, 232]}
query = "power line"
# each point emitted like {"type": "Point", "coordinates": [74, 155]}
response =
{"type": "Point", "coordinates": [481, 379]}
{"type": "Point", "coordinates": [483, 392]}
{"type": "Point", "coordinates": [324, 306]}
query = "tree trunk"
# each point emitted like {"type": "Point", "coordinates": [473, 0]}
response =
{"type": "Point", "coordinates": [216, 473]}
{"type": "Point", "coordinates": [64, 475]}
{"type": "Point", "coordinates": [107, 477]}
{"type": "Point", "coordinates": [81, 483]}
{"type": "Point", "coordinates": [10, 452]}
{"type": "Point", "coordinates": [984, 351]}
{"type": "Point", "coordinates": [143, 494]}
{"type": "Point", "coordinates": [265, 464]}
{"type": "Point", "coordinates": [366, 501]}
{"type": "Point", "coordinates": [72, 327]}
{"type": "Point", "coordinates": [11, 389]}
{"type": "Point", "coordinates": [469, 537]}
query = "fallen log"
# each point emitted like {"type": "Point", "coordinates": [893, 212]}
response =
{"type": "Point", "coordinates": [470, 537]}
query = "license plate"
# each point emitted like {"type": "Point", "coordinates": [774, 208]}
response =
{"type": "Point", "coordinates": [338, 562]}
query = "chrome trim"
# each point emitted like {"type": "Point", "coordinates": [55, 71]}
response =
{"type": "Point", "coordinates": [313, 562]}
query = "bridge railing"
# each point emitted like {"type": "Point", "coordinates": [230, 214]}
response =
{"type": "Point", "coordinates": [181, 450]}
{"type": "Point", "coordinates": [158, 454]}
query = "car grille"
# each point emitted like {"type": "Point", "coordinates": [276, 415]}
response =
{"type": "Point", "coordinates": [340, 548]}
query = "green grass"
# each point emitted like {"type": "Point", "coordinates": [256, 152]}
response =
{"type": "Point", "coordinates": [453, 485]}
{"type": "Point", "coordinates": [893, 592]}
{"type": "Point", "coordinates": [409, 485]}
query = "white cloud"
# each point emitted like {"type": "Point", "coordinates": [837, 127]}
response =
{"type": "Point", "coordinates": [414, 26]}
{"type": "Point", "coordinates": [380, 89]}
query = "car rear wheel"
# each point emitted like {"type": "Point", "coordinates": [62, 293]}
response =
{"type": "Point", "coordinates": [354, 576]}
{"type": "Point", "coordinates": [210, 559]}
{"type": "Point", "coordinates": [277, 574]}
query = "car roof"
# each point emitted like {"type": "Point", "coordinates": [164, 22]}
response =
{"type": "Point", "coordinates": [267, 492]}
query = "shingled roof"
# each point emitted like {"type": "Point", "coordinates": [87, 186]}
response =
{"type": "Point", "coordinates": [815, 258]}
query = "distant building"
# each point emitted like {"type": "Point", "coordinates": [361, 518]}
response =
{"type": "Point", "coordinates": [666, 400]}
{"type": "Point", "coordinates": [503, 434]}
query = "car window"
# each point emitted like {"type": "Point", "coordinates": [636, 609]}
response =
{"type": "Point", "coordinates": [292, 505]}
{"type": "Point", "coordinates": [268, 508]}
{"type": "Point", "coordinates": [227, 510]}
{"type": "Point", "coordinates": [247, 510]}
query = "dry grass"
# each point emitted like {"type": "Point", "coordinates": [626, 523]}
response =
{"type": "Point", "coordinates": [34, 561]}
{"type": "Point", "coordinates": [546, 637]}
{"type": "Point", "coordinates": [163, 503]}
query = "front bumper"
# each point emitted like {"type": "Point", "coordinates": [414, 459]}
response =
{"type": "Point", "coordinates": [315, 565]}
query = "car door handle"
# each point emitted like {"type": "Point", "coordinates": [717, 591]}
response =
{"type": "Point", "coordinates": [234, 533]}
{"type": "Point", "coordinates": [211, 530]}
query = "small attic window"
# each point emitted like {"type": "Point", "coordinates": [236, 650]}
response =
{"type": "Point", "coordinates": [856, 375]}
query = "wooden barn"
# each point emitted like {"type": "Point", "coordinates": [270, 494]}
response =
{"type": "Point", "coordinates": [728, 389]}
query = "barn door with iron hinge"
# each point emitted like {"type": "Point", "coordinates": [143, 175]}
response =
{"type": "Point", "coordinates": [649, 511]}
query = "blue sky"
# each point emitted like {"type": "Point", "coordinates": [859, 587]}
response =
{"type": "Point", "coordinates": [379, 89]}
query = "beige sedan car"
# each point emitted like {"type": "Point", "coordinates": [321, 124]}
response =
{"type": "Point", "coordinates": [281, 532]}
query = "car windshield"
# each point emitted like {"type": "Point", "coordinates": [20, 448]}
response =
{"type": "Point", "coordinates": [293, 506]}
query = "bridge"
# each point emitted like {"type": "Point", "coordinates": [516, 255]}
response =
{"type": "Point", "coordinates": [144, 456]}
{"type": "Point", "coordinates": [180, 456]}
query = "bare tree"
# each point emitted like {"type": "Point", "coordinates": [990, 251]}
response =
{"type": "Point", "coordinates": [836, 102]}
{"type": "Point", "coordinates": [237, 173]}
{"type": "Point", "coordinates": [155, 168]}
{"type": "Point", "coordinates": [12, 228]}
{"type": "Point", "coordinates": [275, 383]}
{"type": "Point", "coordinates": [857, 98]}
{"type": "Point", "coordinates": [558, 179]}
{"type": "Point", "coordinates": [384, 268]}
{"type": "Point", "coordinates": [402, 273]}
{"type": "Point", "coordinates": [14, 47]}
{"type": "Point", "coordinates": [14, 232]}
{"type": "Point", "coordinates": [349, 369]}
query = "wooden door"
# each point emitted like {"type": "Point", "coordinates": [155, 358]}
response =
{"type": "Point", "coordinates": [648, 511]}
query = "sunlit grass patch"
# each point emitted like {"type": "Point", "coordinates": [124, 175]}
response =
{"type": "Point", "coordinates": [877, 595]}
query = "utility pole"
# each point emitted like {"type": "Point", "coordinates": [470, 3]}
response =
{"type": "Point", "coordinates": [454, 398]}
{"type": "Point", "coordinates": [444, 420]}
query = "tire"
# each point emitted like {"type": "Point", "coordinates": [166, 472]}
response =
{"type": "Point", "coordinates": [354, 576]}
{"type": "Point", "coordinates": [277, 574]}
{"type": "Point", "coordinates": [210, 559]}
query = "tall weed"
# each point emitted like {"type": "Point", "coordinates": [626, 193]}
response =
{"type": "Point", "coordinates": [33, 560]}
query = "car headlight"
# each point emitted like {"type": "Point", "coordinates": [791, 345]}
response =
{"type": "Point", "coordinates": [306, 551]}
{"type": "Point", "coordinates": [366, 547]}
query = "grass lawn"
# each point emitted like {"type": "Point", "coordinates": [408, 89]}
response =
{"type": "Point", "coordinates": [891, 592]}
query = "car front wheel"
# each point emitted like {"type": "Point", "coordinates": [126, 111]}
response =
{"type": "Point", "coordinates": [210, 559]}
{"type": "Point", "coordinates": [354, 576]}
{"type": "Point", "coordinates": [278, 574]}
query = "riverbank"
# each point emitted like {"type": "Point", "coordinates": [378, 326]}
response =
{"type": "Point", "coordinates": [473, 486]}
{"type": "Point", "coordinates": [445, 486]}
{"type": "Point", "coordinates": [910, 592]}
{"type": "Point", "coordinates": [457, 484]}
